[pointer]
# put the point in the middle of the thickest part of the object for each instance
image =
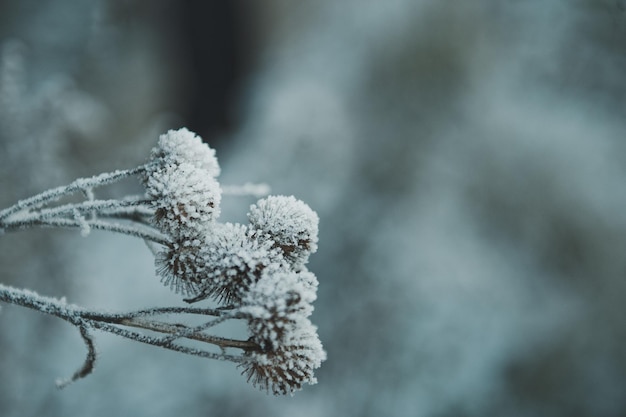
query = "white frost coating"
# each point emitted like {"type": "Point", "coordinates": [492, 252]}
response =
{"type": "Point", "coordinates": [183, 146]}
{"type": "Point", "coordinates": [185, 199]}
{"type": "Point", "coordinates": [290, 223]}
{"type": "Point", "coordinates": [85, 229]}
{"type": "Point", "coordinates": [308, 280]}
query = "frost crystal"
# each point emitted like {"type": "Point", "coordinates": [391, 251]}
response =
{"type": "Point", "coordinates": [290, 223]}
{"type": "Point", "coordinates": [185, 198]}
{"type": "Point", "coordinates": [183, 146]}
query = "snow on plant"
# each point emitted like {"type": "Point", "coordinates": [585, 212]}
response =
{"type": "Point", "coordinates": [255, 273]}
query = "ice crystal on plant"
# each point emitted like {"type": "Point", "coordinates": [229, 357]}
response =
{"type": "Point", "coordinates": [290, 223]}
{"type": "Point", "coordinates": [308, 280]}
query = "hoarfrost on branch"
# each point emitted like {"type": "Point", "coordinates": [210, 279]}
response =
{"type": "Point", "coordinates": [256, 273]}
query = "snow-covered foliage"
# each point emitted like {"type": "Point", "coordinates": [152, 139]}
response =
{"type": "Point", "coordinates": [255, 272]}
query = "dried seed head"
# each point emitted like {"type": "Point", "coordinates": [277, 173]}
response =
{"type": "Point", "coordinates": [285, 369]}
{"type": "Point", "coordinates": [179, 266]}
{"type": "Point", "coordinates": [275, 305]}
{"type": "Point", "coordinates": [290, 223]}
{"type": "Point", "coordinates": [183, 146]}
{"type": "Point", "coordinates": [185, 199]}
{"type": "Point", "coordinates": [232, 260]}
{"type": "Point", "coordinates": [222, 262]}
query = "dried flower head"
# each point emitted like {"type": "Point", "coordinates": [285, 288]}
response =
{"type": "Point", "coordinates": [285, 369]}
{"type": "Point", "coordinates": [183, 146]}
{"type": "Point", "coordinates": [180, 266]}
{"type": "Point", "coordinates": [222, 263]}
{"type": "Point", "coordinates": [185, 199]}
{"type": "Point", "coordinates": [234, 260]}
{"type": "Point", "coordinates": [274, 305]}
{"type": "Point", "coordinates": [290, 223]}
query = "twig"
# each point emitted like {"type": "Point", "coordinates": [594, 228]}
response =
{"type": "Point", "coordinates": [90, 360]}
{"type": "Point", "coordinates": [111, 322]}
{"type": "Point", "coordinates": [247, 189]}
{"type": "Point", "coordinates": [81, 184]}
{"type": "Point", "coordinates": [86, 207]}
{"type": "Point", "coordinates": [137, 230]}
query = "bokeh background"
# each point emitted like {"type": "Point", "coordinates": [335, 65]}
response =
{"type": "Point", "coordinates": [467, 160]}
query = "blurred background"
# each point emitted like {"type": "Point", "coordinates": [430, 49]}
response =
{"type": "Point", "coordinates": [467, 160]}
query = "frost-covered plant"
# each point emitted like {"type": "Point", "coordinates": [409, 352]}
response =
{"type": "Point", "coordinates": [255, 273]}
{"type": "Point", "coordinates": [289, 224]}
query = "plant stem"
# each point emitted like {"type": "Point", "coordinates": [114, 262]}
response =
{"type": "Point", "coordinates": [109, 322]}
{"type": "Point", "coordinates": [84, 184]}
{"type": "Point", "coordinates": [86, 207]}
{"type": "Point", "coordinates": [138, 230]}
{"type": "Point", "coordinates": [178, 331]}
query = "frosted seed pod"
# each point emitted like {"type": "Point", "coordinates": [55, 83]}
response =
{"type": "Point", "coordinates": [290, 223]}
{"type": "Point", "coordinates": [287, 291]}
{"type": "Point", "coordinates": [274, 306]}
{"type": "Point", "coordinates": [285, 369]}
{"type": "Point", "coordinates": [180, 268]}
{"type": "Point", "coordinates": [231, 261]}
{"type": "Point", "coordinates": [185, 199]}
{"type": "Point", "coordinates": [183, 146]}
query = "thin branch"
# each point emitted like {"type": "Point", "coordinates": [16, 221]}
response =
{"type": "Point", "coordinates": [110, 321]}
{"type": "Point", "coordinates": [154, 248]}
{"type": "Point", "coordinates": [81, 184]}
{"type": "Point", "coordinates": [137, 230]}
{"type": "Point", "coordinates": [182, 331]}
{"type": "Point", "coordinates": [142, 338]}
{"type": "Point", "coordinates": [87, 207]}
{"type": "Point", "coordinates": [90, 360]}
{"type": "Point", "coordinates": [188, 332]}
{"type": "Point", "coordinates": [116, 317]}
{"type": "Point", "coordinates": [247, 189]}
